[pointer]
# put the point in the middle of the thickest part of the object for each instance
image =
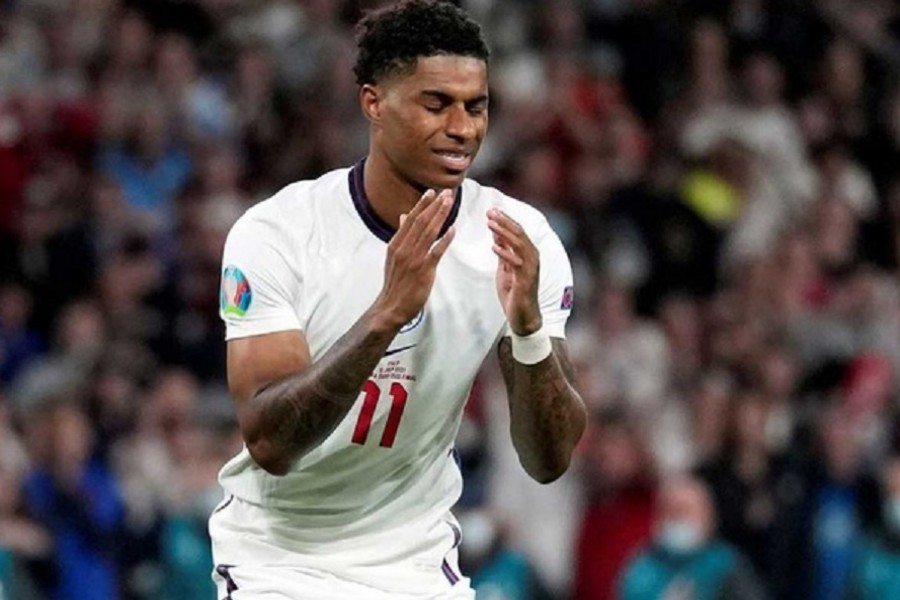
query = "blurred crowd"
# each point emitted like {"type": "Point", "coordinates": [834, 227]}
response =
{"type": "Point", "coordinates": [724, 173]}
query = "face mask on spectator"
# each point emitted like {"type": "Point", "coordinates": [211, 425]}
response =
{"type": "Point", "coordinates": [679, 536]}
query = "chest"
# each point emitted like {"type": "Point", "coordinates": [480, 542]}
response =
{"type": "Point", "coordinates": [462, 312]}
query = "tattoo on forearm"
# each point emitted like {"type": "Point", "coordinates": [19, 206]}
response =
{"type": "Point", "coordinates": [299, 411]}
{"type": "Point", "coordinates": [546, 413]}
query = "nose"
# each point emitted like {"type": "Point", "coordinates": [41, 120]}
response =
{"type": "Point", "coordinates": [460, 124]}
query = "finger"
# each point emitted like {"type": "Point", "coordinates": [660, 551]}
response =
{"type": "Point", "coordinates": [503, 219]}
{"type": "Point", "coordinates": [511, 234]}
{"type": "Point", "coordinates": [408, 219]}
{"type": "Point", "coordinates": [438, 250]}
{"type": "Point", "coordinates": [440, 217]}
{"type": "Point", "coordinates": [508, 257]}
{"type": "Point", "coordinates": [432, 220]}
{"type": "Point", "coordinates": [426, 200]}
{"type": "Point", "coordinates": [506, 237]}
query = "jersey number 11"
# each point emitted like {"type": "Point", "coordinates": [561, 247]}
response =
{"type": "Point", "coordinates": [373, 393]}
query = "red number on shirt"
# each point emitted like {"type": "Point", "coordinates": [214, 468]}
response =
{"type": "Point", "coordinates": [364, 422]}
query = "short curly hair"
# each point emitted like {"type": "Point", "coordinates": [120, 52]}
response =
{"type": "Point", "coordinates": [391, 40]}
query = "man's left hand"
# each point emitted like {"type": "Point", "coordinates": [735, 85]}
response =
{"type": "Point", "coordinates": [517, 273]}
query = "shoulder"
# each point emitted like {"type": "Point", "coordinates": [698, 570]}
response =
{"type": "Point", "coordinates": [486, 196]}
{"type": "Point", "coordinates": [291, 210]}
{"type": "Point", "coordinates": [479, 198]}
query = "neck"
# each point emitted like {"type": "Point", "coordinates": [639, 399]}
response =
{"type": "Point", "coordinates": [389, 193]}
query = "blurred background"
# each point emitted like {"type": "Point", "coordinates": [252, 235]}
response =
{"type": "Point", "coordinates": [724, 173]}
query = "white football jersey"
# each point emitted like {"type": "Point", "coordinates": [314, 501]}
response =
{"type": "Point", "coordinates": [311, 258]}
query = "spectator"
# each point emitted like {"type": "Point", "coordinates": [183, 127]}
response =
{"type": "Point", "coordinates": [686, 559]}
{"type": "Point", "coordinates": [840, 501]}
{"type": "Point", "coordinates": [25, 546]}
{"type": "Point", "coordinates": [151, 165]}
{"type": "Point", "coordinates": [622, 354]}
{"type": "Point", "coordinates": [19, 344]}
{"type": "Point", "coordinates": [723, 172]}
{"type": "Point", "coordinates": [750, 485]}
{"type": "Point", "coordinates": [621, 480]}
{"type": "Point", "coordinates": [77, 497]}
{"type": "Point", "coordinates": [497, 570]}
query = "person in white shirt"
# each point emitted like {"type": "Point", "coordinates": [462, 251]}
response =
{"type": "Point", "coordinates": [358, 309]}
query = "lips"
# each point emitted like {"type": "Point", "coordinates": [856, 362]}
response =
{"type": "Point", "coordinates": [455, 160]}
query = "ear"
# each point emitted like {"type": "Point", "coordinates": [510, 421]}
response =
{"type": "Point", "coordinates": [370, 100]}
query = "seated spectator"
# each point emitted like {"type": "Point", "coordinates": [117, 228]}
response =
{"type": "Point", "coordinates": [687, 559]}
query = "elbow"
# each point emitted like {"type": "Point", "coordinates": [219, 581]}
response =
{"type": "Point", "coordinates": [267, 455]}
{"type": "Point", "coordinates": [268, 459]}
{"type": "Point", "coordinates": [547, 471]}
{"type": "Point", "coordinates": [549, 462]}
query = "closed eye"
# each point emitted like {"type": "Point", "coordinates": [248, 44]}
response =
{"type": "Point", "coordinates": [477, 108]}
{"type": "Point", "coordinates": [436, 101]}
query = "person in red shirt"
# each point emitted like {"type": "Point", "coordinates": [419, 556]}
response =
{"type": "Point", "coordinates": [621, 480]}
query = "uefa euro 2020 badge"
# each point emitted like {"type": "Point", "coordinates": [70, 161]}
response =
{"type": "Point", "coordinates": [235, 294]}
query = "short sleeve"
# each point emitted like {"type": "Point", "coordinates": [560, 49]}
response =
{"type": "Point", "coordinates": [259, 290]}
{"type": "Point", "coordinates": [556, 291]}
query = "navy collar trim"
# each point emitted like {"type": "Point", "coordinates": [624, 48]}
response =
{"type": "Point", "coordinates": [370, 218]}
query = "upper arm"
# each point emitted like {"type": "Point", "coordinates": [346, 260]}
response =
{"type": "Point", "coordinates": [255, 362]}
{"type": "Point", "coordinates": [259, 301]}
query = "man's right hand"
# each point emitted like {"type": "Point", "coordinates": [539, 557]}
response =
{"type": "Point", "coordinates": [412, 259]}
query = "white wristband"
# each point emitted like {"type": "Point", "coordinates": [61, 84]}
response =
{"type": "Point", "coordinates": [531, 349]}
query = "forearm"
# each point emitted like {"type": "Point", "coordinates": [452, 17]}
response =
{"type": "Point", "coordinates": [291, 416]}
{"type": "Point", "coordinates": [547, 416]}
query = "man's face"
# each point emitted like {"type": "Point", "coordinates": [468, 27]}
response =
{"type": "Point", "coordinates": [432, 120]}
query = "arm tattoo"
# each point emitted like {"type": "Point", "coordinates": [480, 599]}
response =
{"type": "Point", "coordinates": [546, 414]}
{"type": "Point", "coordinates": [296, 413]}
